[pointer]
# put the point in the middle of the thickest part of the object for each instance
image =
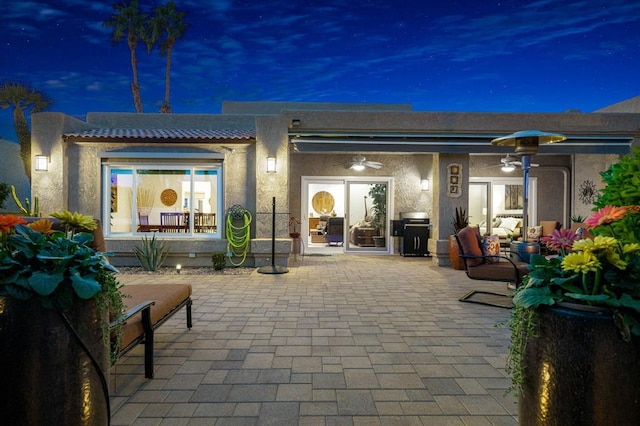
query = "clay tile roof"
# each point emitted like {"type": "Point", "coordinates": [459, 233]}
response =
{"type": "Point", "coordinates": [169, 135]}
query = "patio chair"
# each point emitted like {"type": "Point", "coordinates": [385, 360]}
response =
{"type": "Point", "coordinates": [479, 265]}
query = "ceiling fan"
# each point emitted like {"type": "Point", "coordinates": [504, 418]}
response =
{"type": "Point", "coordinates": [509, 163]}
{"type": "Point", "coordinates": [359, 162]}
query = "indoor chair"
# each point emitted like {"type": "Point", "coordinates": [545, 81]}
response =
{"type": "Point", "coordinates": [334, 231]}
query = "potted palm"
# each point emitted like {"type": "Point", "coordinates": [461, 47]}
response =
{"type": "Point", "coordinates": [378, 194]}
{"type": "Point", "coordinates": [460, 221]}
{"type": "Point", "coordinates": [56, 293]}
{"type": "Point", "coordinates": [575, 351]}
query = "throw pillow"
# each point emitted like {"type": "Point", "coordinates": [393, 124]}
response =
{"type": "Point", "coordinates": [510, 223]}
{"type": "Point", "coordinates": [534, 232]}
{"type": "Point", "coordinates": [492, 248]}
{"type": "Point", "coordinates": [470, 239]}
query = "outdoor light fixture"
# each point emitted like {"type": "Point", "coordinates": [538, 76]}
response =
{"type": "Point", "coordinates": [526, 143]}
{"type": "Point", "coordinates": [508, 168]}
{"type": "Point", "coordinates": [42, 163]}
{"type": "Point", "coordinates": [295, 122]}
{"type": "Point", "coordinates": [424, 184]}
{"type": "Point", "coordinates": [178, 268]}
{"type": "Point", "coordinates": [271, 164]}
{"type": "Point", "coordinates": [358, 167]}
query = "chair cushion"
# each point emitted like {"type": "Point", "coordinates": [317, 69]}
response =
{"type": "Point", "coordinates": [502, 271]}
{"type": "Point", "coordinates": [548, 226]}
{"type": "Point", "coordinates": [471, 244]}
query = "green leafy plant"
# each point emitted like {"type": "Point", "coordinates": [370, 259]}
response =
{"type": "Point", "coordinates": [152, 253]}
{"type": "Point", "coordinates": [577, 219]}
{"type": "Point", "coordinates": [53, 266]}
{"type": "Point", "coordinates": [219, 260]}
{"type": "Point", "coordinates": [460, 220]}
{"type": "Point", "coordinates": [603, 272]}
{"type": "Point", "coordinates": [378, 194]}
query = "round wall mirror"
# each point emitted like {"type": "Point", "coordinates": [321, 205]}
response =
{"type": "Point", "coordinates": [322, 202]}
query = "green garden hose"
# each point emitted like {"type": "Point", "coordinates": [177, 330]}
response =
{"type": "Point", "coordinates": [238, 237]}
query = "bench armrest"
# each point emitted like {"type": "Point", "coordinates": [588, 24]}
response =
{"type": "Point", "coordinates": [144, 306]}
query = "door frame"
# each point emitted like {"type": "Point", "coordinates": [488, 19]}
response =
{"type": "Point", "coordinates": [305, 181]}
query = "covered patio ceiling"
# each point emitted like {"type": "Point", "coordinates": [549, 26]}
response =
{"type": "Point", "coordinates": [453, 143]}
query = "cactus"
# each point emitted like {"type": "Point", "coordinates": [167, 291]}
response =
{"type": "Point", "coordinates": [26, 210]}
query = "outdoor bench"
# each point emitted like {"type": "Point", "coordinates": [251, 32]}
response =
{"type": "Point", "coordinates": [148, 307]}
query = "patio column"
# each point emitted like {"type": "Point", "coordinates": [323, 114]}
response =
{"type": "Point", "coordinates": [451, 190]}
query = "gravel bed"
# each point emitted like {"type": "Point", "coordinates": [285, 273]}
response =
{"type": "Point", "coordinates": [136, 270]}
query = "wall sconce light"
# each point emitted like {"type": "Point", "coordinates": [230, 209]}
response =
{"type": "Point", "coordinates": [178, 268]}
{"type": "Point", "coordinates": [424, 184]}
{"type": "Point", "coordinates": [271, 164]}
{"type": "Point", "coordinates": [42, 163]}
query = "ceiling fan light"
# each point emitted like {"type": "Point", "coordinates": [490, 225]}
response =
{"type": "Point", "coordinates": [508, 168]}
{"type": "Point", "coordinates": [358, 167]}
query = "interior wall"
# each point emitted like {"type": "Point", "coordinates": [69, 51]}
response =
{"type": "Point", "coordinates": [553, 174]}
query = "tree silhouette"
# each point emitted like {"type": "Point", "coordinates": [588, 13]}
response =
{"type": "Point", "coordinates": [130, 22]}
{"type": "Point", "coordinates": [166, 27]}
{"type": "Point", "coordinates": [23, 99]}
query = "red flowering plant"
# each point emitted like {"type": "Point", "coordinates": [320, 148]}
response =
{"type": "Point", "coordinates": [53, 266]}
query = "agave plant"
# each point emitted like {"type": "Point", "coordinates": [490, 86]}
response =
{"type": "Point", "coordinates": [152, 253]}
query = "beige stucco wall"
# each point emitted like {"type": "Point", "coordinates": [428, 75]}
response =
{"type": "Point", "coordinates": [73, 181]}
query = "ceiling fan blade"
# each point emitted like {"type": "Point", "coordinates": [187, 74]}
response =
{"type": "Point", "coordinates": [373, 164]}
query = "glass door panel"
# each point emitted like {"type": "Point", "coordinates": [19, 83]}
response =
{"type": "Point", "coordinates": [367, 207]}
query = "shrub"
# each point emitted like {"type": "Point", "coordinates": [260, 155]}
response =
{"type": "Point", "coordinates": [219, 260]}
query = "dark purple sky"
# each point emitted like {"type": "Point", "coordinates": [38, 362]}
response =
{"type": "Point", "coordinates": [529, 56]}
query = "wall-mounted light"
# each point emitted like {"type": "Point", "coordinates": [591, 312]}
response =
{"type": "Point", "coordinates": [424, 184]}
{"type": "Point", "coordinates": [178, 268]}
{"type": "Point", "coordinates": [271, 164]}
{"type": "Point", "coordinates": [295, 122]}
{"type": "Point", "coordinates": [42, 163]}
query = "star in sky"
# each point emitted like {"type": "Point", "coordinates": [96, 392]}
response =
{"type": "Point", "coordinates": [510, 56]}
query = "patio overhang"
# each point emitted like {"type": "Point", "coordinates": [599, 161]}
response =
{"type": "Point", "coordinates": [454, 143]}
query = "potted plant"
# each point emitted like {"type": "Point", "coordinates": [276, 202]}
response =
{"type": "Point", "coordinates": [575, 351]}
{"type": "Point", "coordinates": [378, 194]}
{"type": "Point", "coordinates": [460, 221]}
{"type": "Point", "coordinates": [293, 227]}
{"type": "Point", "coordinates": [56, 294]}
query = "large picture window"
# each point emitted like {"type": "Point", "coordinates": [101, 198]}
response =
{"type": "Point", "coordinates": [175, 200]}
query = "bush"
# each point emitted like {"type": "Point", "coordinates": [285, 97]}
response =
{"type": "Point", "coordinates": [152, 253]}
{"type": "Point", "coordinates": [219, 261]}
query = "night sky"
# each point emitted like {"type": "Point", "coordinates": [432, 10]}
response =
{"type": "Point", "coordinates": [510, 56]}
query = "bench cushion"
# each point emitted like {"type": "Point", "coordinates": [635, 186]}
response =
{"type": "Point", "coordinates": [167, 297]}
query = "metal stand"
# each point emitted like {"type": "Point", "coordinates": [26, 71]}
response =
{"type": "Point", "coordinates": [273, 269]}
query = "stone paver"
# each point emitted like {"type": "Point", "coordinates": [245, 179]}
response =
{"type": "Point", "coordinates": [341, 339]}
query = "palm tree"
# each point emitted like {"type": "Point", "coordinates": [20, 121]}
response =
{"type": "Point", "coordinates": [23, 99]}
{"type": "Point", "coordinates": [167, 26]}
{"type": "Point", "coordinates": [129, 22]}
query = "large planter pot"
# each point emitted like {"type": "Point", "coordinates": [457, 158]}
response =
{"type": "Point", "coordinates": [579, 371]}
{"type": "Point", "coordinates": [454, 254]}
{"type": "Point", "coordinates": [47, 376]}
